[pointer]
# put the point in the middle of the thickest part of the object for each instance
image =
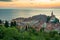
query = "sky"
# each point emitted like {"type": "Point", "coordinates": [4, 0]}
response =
{"type": "Point", "coordinates": [29, 3]}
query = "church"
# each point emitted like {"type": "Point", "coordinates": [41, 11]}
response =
{"type": "Point", "coordinates": [53, 19]}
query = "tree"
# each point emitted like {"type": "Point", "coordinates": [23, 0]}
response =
{"type": "Point", "coordinates": [6, 24]}
{"type": "Point", "coordinates": [15, 23]}
{"type": "Point", "coordinates": [11, 24]}
{"type": "Point", "coordinates": [2, 32]}
{"type": "Point", "coordinates": [53, 33]}
{"type": "Point", "coordinates": [42, 29]}
{"type": "Point", "coordinates": [0, 21]}
{"type": "Point", "coordinates": [26, 28]}
{"type": "Point", "coordinates": [11, 33]}
{"type": "Point", "coordinates": [48, 18]}
{"type": "Point", "coordinates": [56, 20]}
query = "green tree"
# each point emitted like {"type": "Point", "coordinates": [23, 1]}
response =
{"type": "Point", "coordinates": [26, 28]}
{"type": "Point", "coordinates": [48, 18]}
{"type": "Point", "coordinates": [0, 21]}
{"type": "Point", "coordinates": [11, 33]}
{"type": "Point", "coordinates": [42, 29]}
{"type": "Point", "coordinates": [15, 24]}
{"type": "Point", "coordinates": [11, 24]}
{"type": "Point", "coordinates": [56, 20]}
{"type": "Point", "coordinates": [2, 29]}
{"type": "Point", "coordinates": [53, 33]}
{"type": "Point", "coordinates": [6, 24]}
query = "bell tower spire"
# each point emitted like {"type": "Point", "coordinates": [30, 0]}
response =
{"type": "Point", "coordinates": [52, 13]}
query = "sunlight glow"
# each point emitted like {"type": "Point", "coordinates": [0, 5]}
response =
{"type": "Point", "coordinates": [35, 0]}
{"type": "Point", "coordinates": [31, 4]}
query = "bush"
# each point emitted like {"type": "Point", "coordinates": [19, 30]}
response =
{"type": "Point", "coordinates": [12, 33]}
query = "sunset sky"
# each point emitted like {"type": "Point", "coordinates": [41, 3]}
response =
{"type": "Point", "coordinates": [29, 3]}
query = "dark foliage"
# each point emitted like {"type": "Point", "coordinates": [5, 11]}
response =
{"type": "Point", "coordinates": [6, 24]}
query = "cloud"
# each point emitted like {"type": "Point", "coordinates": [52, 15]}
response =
{"type": "Point", "coordinates": [6, 0]}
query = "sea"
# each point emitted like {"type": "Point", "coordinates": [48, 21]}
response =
{"type": "Point", "coordinates": [10, 13]}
